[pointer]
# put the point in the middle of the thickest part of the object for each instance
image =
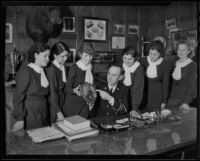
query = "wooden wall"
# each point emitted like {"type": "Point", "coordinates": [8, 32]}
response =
{"type": "Point", "coordinates": [151, 20]}
{"type": "Point", "coordinates": [185, 14]}
{"type": "Point", "coordinates": [114, 14]}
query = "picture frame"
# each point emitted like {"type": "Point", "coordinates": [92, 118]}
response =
{"type": "Point", "coordinates": [189, 35]}
{"type": "Point", "coordinates": [119, 29]}
{"type": "Point", "coordinates": [9, 33]}
{"type": "Point", "coordinates": [95, 29]}
{"type": "Point", "coordinates": [133, 29]}
{"type": "Point", "coordinates": [74, 54]}
{"type": "Point", "coordinates": [72, 58]}
{"type": "Point", "coordinates": [68, 24]}
{"type": "Point", "coordinates": [118, 42]}
{"type": "Point", "coordinates": [171, 23]}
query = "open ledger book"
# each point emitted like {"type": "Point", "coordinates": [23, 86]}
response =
{"type": "Point", "coordinates": [59, 130]}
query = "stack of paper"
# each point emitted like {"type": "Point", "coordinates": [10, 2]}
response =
{"type": "Point", "coordinates": [44, 134]}
{"type": "Point", "coordinates": [76, 122]}
{"type": "Point", "coordinates": [75, 134]}
{"type": "Point", "coordinates": [74, 127]}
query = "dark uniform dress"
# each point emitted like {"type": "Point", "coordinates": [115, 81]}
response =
{"type": "Point", "coordinates": [136, 89]}
{"type": "Point", "coordinates": [30, 99]}
{"type": "Point", "coordinates": [120, 95]}
{"type": "Point", "coordinates": [57, 93]}
{"type": "Point", "coordinates": [156, 89]}
{"type": "Point", "coordinates": [185, 89]}
{"type": "Point", "coordinates": [75, 105]}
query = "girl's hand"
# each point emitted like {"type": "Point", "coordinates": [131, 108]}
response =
{"type": "Point", "coordinates": [77, 91]}
{"type": "Point", "coordinates": [185, 108]}
{"type": "Point", "coordinates": [18, 126]}
{"type": "Point", "coordinates": [60, 116]}
{"type": "Point", "coordinates": [163, 106]}
{"type": "Point", "coordinates": [133, 113]}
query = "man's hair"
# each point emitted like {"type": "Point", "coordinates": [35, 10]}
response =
{"type": "Point", "coordinates": [118, 66]}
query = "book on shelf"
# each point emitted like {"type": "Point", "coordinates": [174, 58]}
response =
{"type": "Point", "coordinates": [75, 134]}
{"type": "Point", "coordinates": [76, 122]}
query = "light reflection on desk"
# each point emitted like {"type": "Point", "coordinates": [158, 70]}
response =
{"type": "Point", "coordinates": [132, 142]}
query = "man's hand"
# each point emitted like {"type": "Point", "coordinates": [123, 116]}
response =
{"type": "Point", "coordinates": [91, 105]}
{"type": "Point", "coordinates": [185, 108]}
{"type": "Point", "coordinates": [104, 95]}
{"type": "Point", "coordinates": [77, 91]}
{"type": "Point", "coordinates": [18, 126]}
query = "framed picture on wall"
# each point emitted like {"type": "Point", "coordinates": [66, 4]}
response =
{"type": "Point", "coordinates": [68, 24]}
{"type": "Point", "coordinates": [133, 29]}
{"type": "Point", "coordinates": [72, 57]}
{"type": "Point", "coordinates": [95, 29]}
{"type": "Point", "coordinates": [118, 29]}
{"type": "Point", "coordinates": [118, 42]}
{"type": "Point", "coordinates": [189, 35]}
{"type": "Point", "coordinates": [171, 23]}
{"type": "Point", "coordinates": [9, 33]}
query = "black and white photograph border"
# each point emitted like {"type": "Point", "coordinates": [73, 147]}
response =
{"type": "Point", "coordinates": [9, 33]}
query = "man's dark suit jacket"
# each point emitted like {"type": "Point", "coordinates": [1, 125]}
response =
{"type": "Point", "coordinates": [103, 108]}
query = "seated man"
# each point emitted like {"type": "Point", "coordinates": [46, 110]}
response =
{"type": "Point", "coordinates": [113, 98]}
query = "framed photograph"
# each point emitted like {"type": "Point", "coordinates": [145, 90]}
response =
{"type": "Point", "coordinates": [68, 24]}
{"type": "Point", "coordinates": [189, 35]}
{"type": "Point", "coordinates": [72, 58]}
{"type": "Point", "coordinates": [74, 55]}
{"type": "Point", "coordinates": [9, 33]}
{"type": "Point", "coordinates": [171, 23]}
{"type": "Point", "coordinates": [118, 42]}
{"type": "Point", "coordinates": [133, 29]}
{"type": "Point", "coordinates": [118, 29]}
{"type": "Point", "coordinates": [95, 29]}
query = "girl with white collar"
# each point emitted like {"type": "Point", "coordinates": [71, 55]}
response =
{"type": "Point", "coordinates": [184, 79]}
{"type": "Point", "coordinates": [79, 73]}
{"type": "Point", "coordinates": [56, 74]}
{"type": "Point", "coordinates": [157, 78]}
{"type": "Point", "coordinates": [133, 78]}
{"type": "Point", "coordinates": [32, 88]}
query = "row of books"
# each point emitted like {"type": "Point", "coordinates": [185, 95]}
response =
{"type": "Point", "coordinates": [74, 127]}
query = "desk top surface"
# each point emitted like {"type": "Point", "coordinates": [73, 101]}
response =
{"type": "Point", "coordinates": [154, 139]}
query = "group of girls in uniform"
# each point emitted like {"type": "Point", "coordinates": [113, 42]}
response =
{"type": "Point", "coordinates": [46, 93]}
{"type": "Point", "coordinates": [154, 85]}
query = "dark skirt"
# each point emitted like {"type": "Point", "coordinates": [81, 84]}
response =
{"type": "Point", "coordinates": [154, 99]}
{"type": "Point", "coordinates": [61, 101]}
{"type": "Point", "coordinates": [36, 113]}
{"type": "Point", "coordinates": [177, 96]}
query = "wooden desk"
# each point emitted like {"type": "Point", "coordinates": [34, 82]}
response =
{"type": "Point", "coordinates": [154, 140]}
